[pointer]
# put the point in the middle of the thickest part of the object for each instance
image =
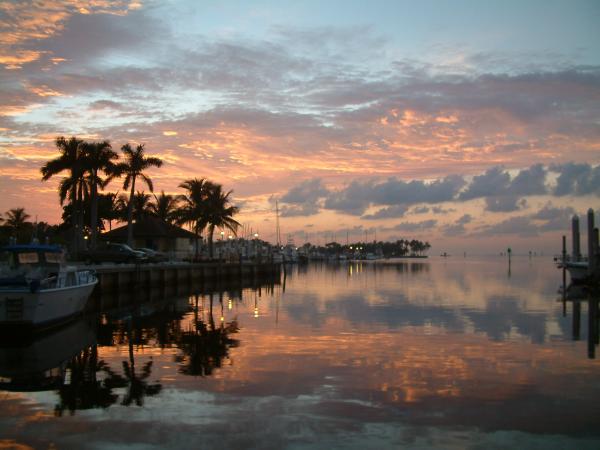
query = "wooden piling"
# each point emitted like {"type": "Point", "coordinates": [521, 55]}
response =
{"type": "Point", "coordinates": [590, 242]}
{"type": "Point", "coordinates": [564, 268]}
{"type": "Point", "coordinates": [576, 239]}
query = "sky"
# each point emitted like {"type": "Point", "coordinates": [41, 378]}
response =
{"type": "Point", "coordinates": [472, 125]}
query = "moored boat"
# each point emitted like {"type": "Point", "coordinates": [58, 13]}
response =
{"type": "Point", "coordinates": [578, 270]}
{"type": "Point", "coordinates": [37, 289]}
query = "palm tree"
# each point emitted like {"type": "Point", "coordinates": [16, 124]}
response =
{"type": "Point", "coordinates": [98, 156]}
{"type": "Point", "coordinates": [164, 207]}
{"type": "Point", "coordinates": [72, 186]}
{"type": "Point", "coordinates": [219, 212]}
{"type": "Point", "coordinates": [192, 209]}
{"type": "Point", "coordinates": [108, 208]}
{"type": "Point", "coordinates": [134, 167]}
{"type": "Point", "coordinates": [141, 205]}
{"type": "Point", "coordinates": [16, 219]}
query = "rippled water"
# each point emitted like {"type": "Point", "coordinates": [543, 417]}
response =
{"type": "Point", "coordinates": [439, 353]}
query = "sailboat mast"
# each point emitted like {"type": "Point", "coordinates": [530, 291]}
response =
{"type": "Point", "coordinates": [278, 231]}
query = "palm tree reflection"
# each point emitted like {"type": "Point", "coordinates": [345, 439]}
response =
{"type": "Point", "coordinates": [137, 384]}
{"type": "Point", "coordinates": [82, 388]}
{"type": "Point", "coordinates": [205, 345]}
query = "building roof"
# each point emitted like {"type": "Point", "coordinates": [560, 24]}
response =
{"type": "Point", "coordinates": [150, 227]}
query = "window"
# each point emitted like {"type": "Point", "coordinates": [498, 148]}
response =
{"type": "Point", "coordinates": [29, 258]}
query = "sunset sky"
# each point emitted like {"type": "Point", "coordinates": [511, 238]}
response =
{"type": "Point", "coordinates": [473, 125]}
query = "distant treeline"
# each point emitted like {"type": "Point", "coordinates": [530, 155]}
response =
{"type": "Point", "coordinates": [401, 247]}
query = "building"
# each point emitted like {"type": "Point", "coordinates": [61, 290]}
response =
{"type": "Point", "coordinates": [152, 232]}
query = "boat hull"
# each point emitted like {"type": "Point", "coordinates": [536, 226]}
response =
{"type": "Point", "coordinates": [46, 307]}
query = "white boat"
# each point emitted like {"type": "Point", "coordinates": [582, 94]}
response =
{"type": "Point", "coordinates": [578, 270]}
{"type": "Point", "coordinates": [37, 289]}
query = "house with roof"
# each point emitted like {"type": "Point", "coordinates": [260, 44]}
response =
{"type": "Point", "coordinates": [152, 232]}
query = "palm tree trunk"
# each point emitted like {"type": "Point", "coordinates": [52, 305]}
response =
{"type": "Point", "coordinates": [74, 219]}
{"type": "Point", "coordinates": [197, 233]}
{"type": "Point", "coordinates": [80, 216]}
{"type": "Point", "coordinates": [130, 214]}
{"type": "Point", "coordinates": [94, 212]}
{"type": "Point", "coordinates": [211, 231]}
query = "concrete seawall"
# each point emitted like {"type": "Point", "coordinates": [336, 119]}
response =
{"type": "Point", "coordinates": [120, 285]}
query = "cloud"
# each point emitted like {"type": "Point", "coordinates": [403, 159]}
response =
{"type": "Point", "coordinates": [577, 179]}
{"type": "Point", "coordinates": [390, 212]}
{"type": "Point", "coordinates": [502, 192]}
{"type": "Point", "coordinates": [308, 191]}
{"type": "Point", "coordinates": [358, 196]}
{"type": "Point", "coordinates": [303, 198]}
{"type": "Point", "coordinates": [458, 227]}
{"type": "Point", "coordinates": [299, 210]}
{"type": "Point", "coordinates": [504, 203]}
{"type": "Point", "coordinates": [520, 225]}
{"type": "Point", "coordinates": [415, 226]}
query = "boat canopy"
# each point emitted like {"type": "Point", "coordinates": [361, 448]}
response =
{"type": "Point", "coordinates": [32, 248]}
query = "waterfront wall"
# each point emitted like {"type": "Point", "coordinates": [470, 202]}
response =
{"type": "Point", "coordinates": [144, 277]}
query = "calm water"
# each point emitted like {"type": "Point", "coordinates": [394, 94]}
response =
{"type": "Point", "coordinates": [431, 354]}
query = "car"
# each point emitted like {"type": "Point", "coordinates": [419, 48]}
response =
{"type": "Point", "coordinates": [153, 255]}
{"type": "Point", "coordinates": [113, 252]}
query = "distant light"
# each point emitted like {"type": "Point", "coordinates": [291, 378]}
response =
{"type": "Point", "coordinates": [255, 235]}
{"type": "Point", "coordinates": [230, 237]}
{"type": "Point", "coordinates": [222, 319]}
{"type": "Point", "coordinates": [255, 312]}
{"type": "Point", "coordinates": [169, 133]}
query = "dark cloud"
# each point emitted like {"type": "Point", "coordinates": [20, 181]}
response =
{"type": "Point", "coordinates": [458, 227]}
{"type": "Point", "coordinates": [504, 203]}
{"type": "Point", "coordinates": [415, 226]}
{"type": "Point", "coordinates": [520, 225]}
{"type": "Point", "coordinates": [357, 196]}
{"type": "Point", "coordinates": [502, 192]}
{"type": "Point", "coordinates": [86, 37]}
{"type": "Point", "coordinates": [308, 191]}
{"type": "Point", "coordinates": [531, 181]}
{"type": "Point", "coordinates": [299, 210]}
{"type": "Point", "coordinates": [390, 212]}
{"type": "Point", "coordinates": [577, 179]}
{"type": "Point", "coordinates": [550, 212]}
{"type": "Point", "coordinates": [494, 181]}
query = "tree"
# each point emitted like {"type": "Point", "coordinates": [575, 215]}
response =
{"type": "Point", "coordinates": [192, 209]}
{"type": "Point", "coordinates": [108, 208]}
{"type": "Point", "coordinates": [16, 219]}
{"type": "Point", "coordinates": [136, 162]}
{"type": "Point", "coordinates": [164, 207]}
{"type": "Point", "coordinates": [219, 212]}
{"type": "Point", "coordinates": [141, 205]}
{"type": "Point", "coordinates": [98, 157]}
{"type": "Point", "coordinates": [72, 186]}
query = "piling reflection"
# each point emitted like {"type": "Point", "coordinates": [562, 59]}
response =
{"type": "Point", "coordinates": [577, 295]}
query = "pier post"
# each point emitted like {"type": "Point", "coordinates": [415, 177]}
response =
{"type": "Point", "coordinates": [564, 269]}
{"type": "Point", "coordinates": [576, 237]}
{"type": "Point", "coordinates": [590, 242]}
{"type": "Point", "coordinates": [576, 320]}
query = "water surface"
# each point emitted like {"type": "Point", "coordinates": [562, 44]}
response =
{"type": "Point", "coordinates": [438, 353]}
